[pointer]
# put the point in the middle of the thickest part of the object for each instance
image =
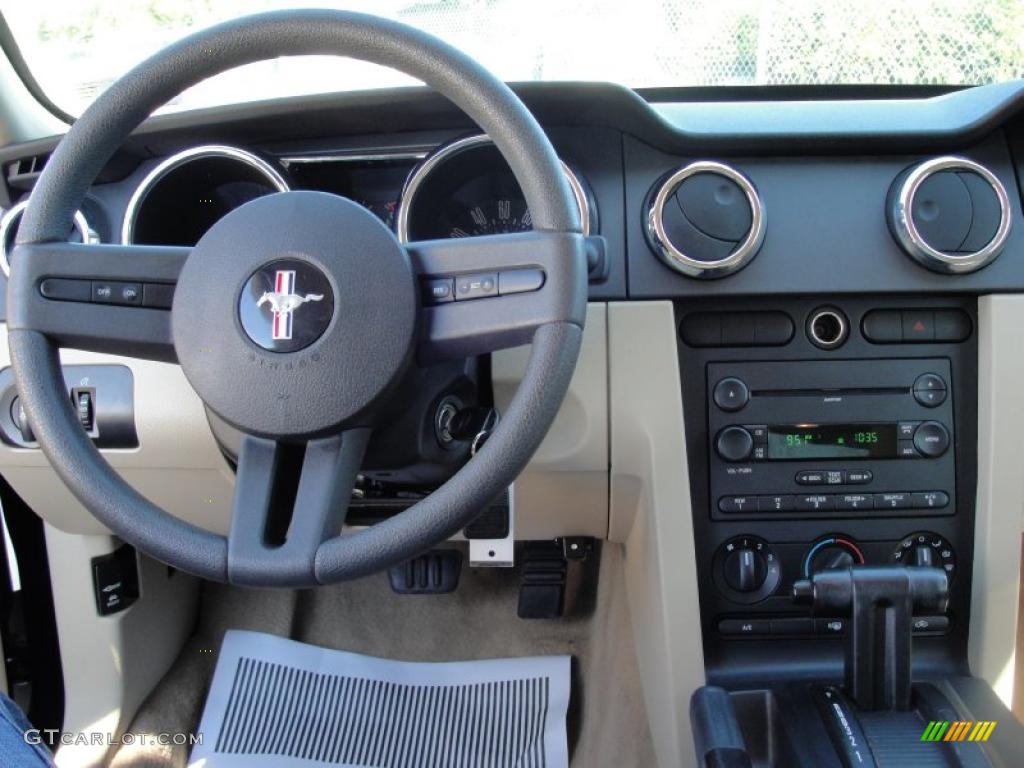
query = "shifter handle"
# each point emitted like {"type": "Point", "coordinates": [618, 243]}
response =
{"type": "Point", "coordinates": [880, 602]}
{"type": "Point", "coordinates": [831, 592]}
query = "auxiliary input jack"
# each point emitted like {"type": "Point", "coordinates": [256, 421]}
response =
{"type": "Point", "coordinates": [827, 328]}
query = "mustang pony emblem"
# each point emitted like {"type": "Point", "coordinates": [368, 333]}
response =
{"type": "Point", "coordinates": [284, 301]}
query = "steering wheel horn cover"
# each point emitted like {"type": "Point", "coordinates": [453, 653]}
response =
{"type": "Point", "coordinates": [325, 392]}
{"type": "Point", "coordinates": [349, 343]}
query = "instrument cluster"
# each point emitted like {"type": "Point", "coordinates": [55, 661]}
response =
{"type": "Point", "coordinates": [461, 189]}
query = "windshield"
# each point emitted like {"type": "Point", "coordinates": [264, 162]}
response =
{"type": "Point", "coordinates": [76, 48]}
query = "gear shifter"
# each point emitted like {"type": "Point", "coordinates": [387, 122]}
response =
{"type": "Point", "coordinates": [880, 602]}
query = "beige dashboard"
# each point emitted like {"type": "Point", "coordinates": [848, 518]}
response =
{"type": "Point", "coordinates": [179, 466]}
{"type": "Point", "coordinates": [613, 466]}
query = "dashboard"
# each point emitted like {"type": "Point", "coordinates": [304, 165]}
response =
{"type": "Point", "coordinates": [775, 206]}
{"type": "Point", "coordinates": [823, 255]}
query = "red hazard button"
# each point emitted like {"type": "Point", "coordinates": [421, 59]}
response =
{"type": "Point", "coordinates": [918, 325]}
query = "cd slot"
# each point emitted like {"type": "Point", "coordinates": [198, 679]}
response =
{"type": "Point", "coordinates": [849, 391]}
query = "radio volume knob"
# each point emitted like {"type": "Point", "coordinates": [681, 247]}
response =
{"type": "Point", "coordinates": [931, 439]}
{"type": "Point", "coordinates": [734, 444]}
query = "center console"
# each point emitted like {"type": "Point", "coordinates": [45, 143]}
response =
{"type": "Point", "coordinates": [829, 439]}
{"type": "Point", "coordinates": [822, 436]}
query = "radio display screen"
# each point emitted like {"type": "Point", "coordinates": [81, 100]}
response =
{"type": "Point", "coordinates": [832, 441]}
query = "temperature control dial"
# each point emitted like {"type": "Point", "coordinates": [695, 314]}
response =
{"type": "Point", "coordinates": [926, 549]}
{"type": "Point", "coordinates": [832, 553]}
{"type": "Point", "coordinates": [746, 569]}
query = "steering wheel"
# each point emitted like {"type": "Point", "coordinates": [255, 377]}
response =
{"type": "Point", "coordinates": [304, 371]}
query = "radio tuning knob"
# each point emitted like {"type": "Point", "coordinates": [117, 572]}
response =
{"type": "Point", "coordinates": [931, 439]}
{"type": "Point", "coordinates": [734, 444]}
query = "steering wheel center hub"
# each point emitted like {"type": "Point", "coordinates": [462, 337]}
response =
{"type": "Point", "coordinates": [286, 305]}
{"type": "Point", "coordinates": [294, 314]}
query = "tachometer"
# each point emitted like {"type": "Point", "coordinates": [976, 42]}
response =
{"type": "Point", "coordinates": [466, 189]}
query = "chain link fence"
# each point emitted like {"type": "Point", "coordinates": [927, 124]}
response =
{"type": "Point", "coordinates": [77, 47]}
{"type": "Point", "coordinates": [775, 42]}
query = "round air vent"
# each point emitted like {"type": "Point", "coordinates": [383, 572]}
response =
{"type": "Point", "coordinates": [950, 214]}
{"type": "Point", "coordinates": [705, 220]}
{"type": "Point", "coordinates": [80, 232]}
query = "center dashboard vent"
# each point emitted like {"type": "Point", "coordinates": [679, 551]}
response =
{"type": "Point", "coordinates": [949, 214]}
{"type": "Point", "coordinates": [705, 220]}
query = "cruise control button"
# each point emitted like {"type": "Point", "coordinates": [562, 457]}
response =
{"type": "Point", "coordinates": [103, 292]}
{"type": "Point", "coordinates": [897, 500]}
{"type": "Point", "coordinates": [66, 289]}
{"type": "Point", "coordinates": [158, 295]}
{"type": "Point", "coordinates": [520, 281]}
{"type": "Point", "coordinates": [476, 286]}
{"type": "Point", "coordinates": [819, 502]}
{"type": "Point", "coordinates": [848, 501]}
{"type": "Point", "coordinates": [929, 500]}
{"type": "Point", "coordinates": [738, 504]}
{"type": "Point", "coordinates": [783, 503]}
{"type": "Point", "coordinates": [439, 291]}
{"type": "Point", "coordinates": [744, 626]}
{"type": "Point", "coordinates": [859, 476]}
{"type": "Point", "coordinates": [129, 293]}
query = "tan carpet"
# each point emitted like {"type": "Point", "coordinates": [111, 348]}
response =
{"type": "Point", "coordinates": [607, 721]}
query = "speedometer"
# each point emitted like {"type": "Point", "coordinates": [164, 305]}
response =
{"type": "Point", "coordinates": [466, 189]}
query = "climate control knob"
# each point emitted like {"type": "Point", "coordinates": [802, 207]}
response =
{"type": "Point", "coordinates": [745, 569]}
{"type": "Point", "coordinates": [926, 549]}
{"type": "Point", "coordinates": [832, 553]}
{"type": "Point", "coordinates": [734, 444]}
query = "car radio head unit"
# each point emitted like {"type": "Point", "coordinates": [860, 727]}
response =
{"type": "Point", "coordinates": [879, 437]}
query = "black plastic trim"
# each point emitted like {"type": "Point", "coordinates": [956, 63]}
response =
{"type": "Point", "coordinates": [764, 121]}
{"type": "Point", "coordinates": [11, 49]}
